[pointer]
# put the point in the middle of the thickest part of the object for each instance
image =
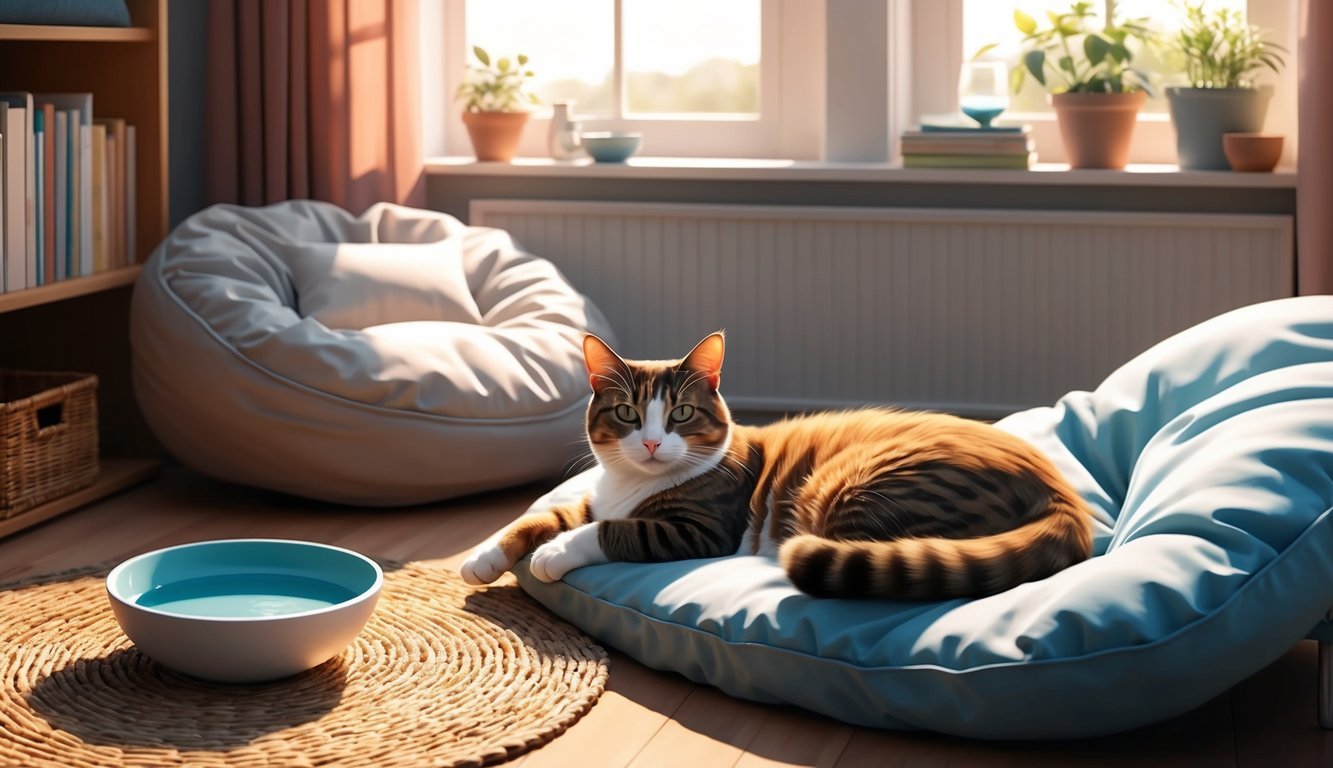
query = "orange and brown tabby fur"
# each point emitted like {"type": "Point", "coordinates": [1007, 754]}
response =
{"type": "Point", "coordinates": [868, 503]}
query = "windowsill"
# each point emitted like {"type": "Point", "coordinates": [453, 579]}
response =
{"type": "Point", "coordinates": [744, 169]}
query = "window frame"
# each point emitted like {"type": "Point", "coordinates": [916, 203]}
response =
{"type": "Point", "coordinates": [783, 128]}
{"type": "Point", "coordinates": [937, 65]}
{"type": "Point", "coordinates": [921, 56]}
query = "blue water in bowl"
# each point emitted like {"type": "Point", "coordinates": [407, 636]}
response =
{"type": "Point", "coordinates": [245, 595]}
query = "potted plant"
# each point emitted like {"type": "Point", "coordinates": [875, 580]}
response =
{"type": "Point", "coordinates": [494, 98]}
{"type": "Point", "coordinates": [1220, 54]}
{"type": "Point", "coordinates": [1095, 90]}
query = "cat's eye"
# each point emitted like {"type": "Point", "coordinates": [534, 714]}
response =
{"type": "Point", "coordinates": [682, 413]}
{"type": "Point", "coordinates": [627, 414]}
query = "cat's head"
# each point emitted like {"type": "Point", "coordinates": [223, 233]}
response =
{"type": "Point", "coordinates": [656, 417]}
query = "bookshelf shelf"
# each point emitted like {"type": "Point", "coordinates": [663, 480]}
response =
{"type": "Point", "coordinates": [76, 34]}
{"type": "Point", "coordinates": [68, 289]}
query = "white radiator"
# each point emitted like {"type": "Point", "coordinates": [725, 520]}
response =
{"type": "Point", "coordinates": [980, 312]}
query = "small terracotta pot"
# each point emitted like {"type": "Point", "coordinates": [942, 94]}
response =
{"type": "Point", "coordinates": [495, 135]}
{"type": "Point", "coordinates": [1096, 128]}
{"type": "Point", "coordinates": [1252, 152]}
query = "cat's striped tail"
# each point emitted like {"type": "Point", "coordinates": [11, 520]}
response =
{"type": "Point", "coordinates": [936, 568]}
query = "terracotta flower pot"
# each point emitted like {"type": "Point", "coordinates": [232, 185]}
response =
{"type": "Point", "coordinates": [1252, 152]}
{"type": "Point", "coordinates": [495, 135]}
{"type": "Point", "coordinates": [1096, 128]}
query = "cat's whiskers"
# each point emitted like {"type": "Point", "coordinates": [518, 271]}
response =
{"type": "Point", "coordinates": [583, 459]}
{"type": "Point", "coordinates": [743, 467]}
{"type": "Point", "coordinates": [616, 457]}
{"type": "Point", "coordinates": [692, 378]}
{"type": "Point", "coordinates": [619, 384]}
{"type": "Point", "coordinates": [580, 463]}
{"type": "Point", "coordinates": [697, 459]}
{"type": "Point", "coordinates": [616, 388]}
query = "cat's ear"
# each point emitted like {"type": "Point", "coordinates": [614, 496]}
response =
{"type": "Point", "coordinates": [706, 358]}
{"type": "Point", "coordinates": [605, 368]}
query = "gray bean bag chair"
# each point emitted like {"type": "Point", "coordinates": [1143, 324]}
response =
{"type": "Point", "coordinates": [393, 358]}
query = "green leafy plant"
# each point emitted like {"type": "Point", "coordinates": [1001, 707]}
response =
{"type": "Point", "coordinates": [1221, 51]}
{"type": "Point", "coordinates": [496, 87]}
{"type": "Point", "coordinates": [1075, 55]}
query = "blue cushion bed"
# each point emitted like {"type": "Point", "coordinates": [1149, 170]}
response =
{"type": "Point", "coordinates": [1209, 463]}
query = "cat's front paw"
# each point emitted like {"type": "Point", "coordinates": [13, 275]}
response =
{"type": "Point", "coordinates": [550, 562]}
{"type": "Point", "coordinates": [484, 565]}
{"type": "Point", "coordinates": [570, 550]}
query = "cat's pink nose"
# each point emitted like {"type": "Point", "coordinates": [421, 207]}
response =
{"type": "Point", "coordinates": [651, 445]}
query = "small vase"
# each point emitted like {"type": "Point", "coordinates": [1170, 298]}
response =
{"type": "Point", "coordinates": [562, 139]}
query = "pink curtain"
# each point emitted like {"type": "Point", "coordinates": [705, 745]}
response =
{"type": "Point", "coordinates": [1314, 185]}
{"type": "Point", "coordinates": [314, 99]}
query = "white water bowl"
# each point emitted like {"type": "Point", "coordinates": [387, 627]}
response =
{"type": "Point", "coordinates": [611, 146]}
{"type": "Point", "coordinates": [244, 610]}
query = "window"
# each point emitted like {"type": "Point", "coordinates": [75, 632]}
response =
{"type": "Point", "coordinates": [797, 79]}
{"type": "Point", "coordinates": [698, 77]}
{"type": "Point", "coordinates": [967, 25]}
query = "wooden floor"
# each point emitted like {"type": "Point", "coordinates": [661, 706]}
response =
{"type": "Point", "coordinates": [649, 718]}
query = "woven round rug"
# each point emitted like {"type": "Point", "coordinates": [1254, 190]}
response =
{"type": "Point", "coordinates": [443, 674]}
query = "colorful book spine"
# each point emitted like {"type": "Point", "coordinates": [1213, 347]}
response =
{"type": "Point", "coordinates": [960, 146]}
{"type": "Point", "coordinates": [67, 206]}
{"type": "Point", "coordinates": [99, 199]}
{"type": "Point", "coordinates": [13, 159]}
{"type": "Point", "coordinates": [112, 200]}
{"type": "Point", "coordinates": [61, 195]}
{"type": "Point", "coordinates": [72, 199]}
{"type": "Point", "coordinates": [115, 159]}
{"type": "Point", "coordinates": [36, 262]}
{"type": "Point", "coordinates": [79, 109]}
{"type": "Point", "coordinates": [132, 193]}
{"type": "Point", "coordinates": [86, 205]}
{"type": "Point", "coordinates": [23, 102]}
{"type": "Point", "coordinates": [969, 161]}
{"type": "Point", "coordinates": [48, 252]}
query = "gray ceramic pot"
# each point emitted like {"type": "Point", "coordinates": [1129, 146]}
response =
{"type": "Point", "coordinates": [1202, 115]}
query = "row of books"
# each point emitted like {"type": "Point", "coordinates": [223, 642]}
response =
{"type": "Point", "coordinates": [952, 144]}
{"type": "Point", "coordinates": [67, 199]}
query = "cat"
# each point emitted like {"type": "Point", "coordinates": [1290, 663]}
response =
{"type": "Point", "coordinates": [869, 503]}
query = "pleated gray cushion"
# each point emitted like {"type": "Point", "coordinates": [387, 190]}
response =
{"type": "Point", "coordinates": [392, 358]}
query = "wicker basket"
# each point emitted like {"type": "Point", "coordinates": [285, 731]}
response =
{"type": "Point", "coordinates": [48, 437]}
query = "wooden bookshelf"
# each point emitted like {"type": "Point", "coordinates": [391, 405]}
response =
{"type": "Point", "coordinates": [125, 68]}
{"type": "Point", "coordinates": [82, 324]}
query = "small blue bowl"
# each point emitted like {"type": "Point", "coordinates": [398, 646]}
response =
{"type": "Point", "coordinates": [244, 610]}
{"type": "Point", "coordinates": [611, 146]}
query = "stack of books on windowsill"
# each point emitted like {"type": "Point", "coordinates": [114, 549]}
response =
{"type": "Point", "coordinates": [950, 144]}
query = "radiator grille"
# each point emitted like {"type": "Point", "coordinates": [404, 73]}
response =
{"type": "Point", "coordinates": [979, 312]}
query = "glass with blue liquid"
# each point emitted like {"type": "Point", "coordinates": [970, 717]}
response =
{"type": "Point", "coordinates": [983, 90]}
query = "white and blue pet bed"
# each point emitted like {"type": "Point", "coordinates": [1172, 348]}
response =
{"type": "Point", "coordinates": [1208, 461]}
